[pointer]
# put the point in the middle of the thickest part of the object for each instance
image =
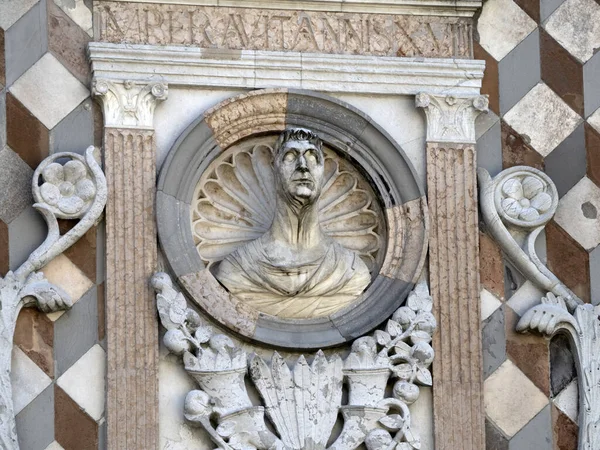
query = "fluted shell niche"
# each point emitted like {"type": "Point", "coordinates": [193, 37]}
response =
{"type": "Point", "coordinates": [235, 203]}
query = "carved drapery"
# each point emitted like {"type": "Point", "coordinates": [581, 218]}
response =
{"type": "Point", "coordinates": [454, 269]}
{"type": "Point", "coordinates": [131, 253]}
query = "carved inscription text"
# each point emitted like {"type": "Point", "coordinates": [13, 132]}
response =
{"type": "Point", "coordinates": [300, 31]}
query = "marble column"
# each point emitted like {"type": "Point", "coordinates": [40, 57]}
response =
{"type": "Point", "coordinates": [454, 269]}
{"type": "Point", "coordinates": [131, 253]}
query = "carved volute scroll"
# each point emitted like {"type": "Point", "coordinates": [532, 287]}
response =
{"type": "Point", "coordinates": [73, 190]}
{"type": "Point", "coordinates": [516, 206]}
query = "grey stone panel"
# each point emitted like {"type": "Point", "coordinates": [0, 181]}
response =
{"type": "Point", "coordinates": [519, 71]}
{"type": "Point", "coordinates": [35, 423]}
{"type": "Point", "coordinates": [595, 275]}
{"type": "Point", "coordinates": [2, 118]}
{"type": "Point", "coordinates": [75, 132]}
{"type": "Point", "coordinates": [75, 332]}
{"type": "Point", "coordinates": [299, 334]}
{"type": "Point", "coordinates": [102, 435]}
{"type": "Point", "coordinates": [540, 247]}
{"type": "Point", "coordinates": [591, 85]}
{"type": "Point", "coordinates": [484, 122]}
{"type": "Point", "coordinates": [513, 280]}
{"type": "Point", "coordinates": [25, 233]}
{"type": "Point", "coordinates": [562, 364]}
{"type": "Point", "coordinates": [15, 185]}
{"type": "Point", "coordinates": [494, 438]}
{"type": "Point", "coordinates": [537, 434]}
{"type": "Point", "coordinates": [566, 164]}
{"type": "Point", "coordinates": [489, 150]}
{"type": "Point", "coordinates": [193, 151]}
{"type": "Point", "coordinates": [493, 342]}
{"type": "Point", "coordinates": [25, 42]}
{"type": "Point", "coordinates": [547, 7]}
{"type": "Point", "coordinates": [175, 235]}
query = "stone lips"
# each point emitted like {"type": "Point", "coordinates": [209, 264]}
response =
{"type": "Point", "coordinates": [342, 128]}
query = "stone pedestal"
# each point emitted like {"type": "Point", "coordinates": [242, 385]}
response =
{"type": "Point", "coordinates": [131, 252]}
{"type": "Point", "coordinates": [454, 270]}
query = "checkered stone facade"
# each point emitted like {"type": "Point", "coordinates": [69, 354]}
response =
{"type": "Point", "coordinates": [58, 359]}
{"type": "Point", "coordinates": [543, 79]}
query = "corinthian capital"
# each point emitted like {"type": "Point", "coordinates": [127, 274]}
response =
{"type": "Point", "coordinates": [451, 119]}
{"type": "Point", "coordinates": [127, 104]}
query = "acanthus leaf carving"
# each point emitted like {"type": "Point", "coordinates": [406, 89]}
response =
{"type": "Point", "coordinates": [80, 193]}
{"type": "Point", "coordinates": [303, 402]}
{"type": "Point", "coordinates": [449, 118]}
{"type": "Point", "coordinates": [516, 205]}
{"type": "Point", "coordinates": [129, 104]}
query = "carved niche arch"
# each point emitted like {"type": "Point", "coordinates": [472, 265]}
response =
{"type": "Point", "coordinates": [352, 139]}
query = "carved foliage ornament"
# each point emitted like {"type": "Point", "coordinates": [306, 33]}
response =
{"type": "Point", "coordinates": [516, 206]}
{"type": "Point", "coordinates": [73, 190]}
{"type": "Point", "coordinates": [303, 403]}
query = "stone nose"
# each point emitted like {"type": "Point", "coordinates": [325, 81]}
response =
{"type": "Point", "coordinates": [301, 164]}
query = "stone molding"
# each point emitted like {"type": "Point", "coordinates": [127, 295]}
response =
{"type": "Point", "coordinates": [273, 29]}
{"type": "Point", "coordinates": [74, 190]}
{"type": "Point", "coordinates": [253, 69]}
{"type": "Point", "coordinates": [127, 104]}
{"type": "Point", "coordinates": [449, 8]}
{"type": "Point", "coordinates": [451, 119]}
{"type": "Point", "coordinates": [516, 205]}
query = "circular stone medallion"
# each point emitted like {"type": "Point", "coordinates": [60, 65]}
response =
{"type": "Point", "coordinates": [308, 258]}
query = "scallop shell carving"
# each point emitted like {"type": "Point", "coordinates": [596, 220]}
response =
{"type": "Point", "coordinates": [235, 203]}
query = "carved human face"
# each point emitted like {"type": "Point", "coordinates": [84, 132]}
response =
{"type": "Point", "coordinates": [299, 167]}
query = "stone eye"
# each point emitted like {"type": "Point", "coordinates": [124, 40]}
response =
{"type": "Point", "coordinates": [289, 157]}
{"type": "Point", "coordinates": [311, 157]}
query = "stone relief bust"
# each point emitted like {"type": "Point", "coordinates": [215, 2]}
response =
{"type": "Point", "coordinates": [295, 269]}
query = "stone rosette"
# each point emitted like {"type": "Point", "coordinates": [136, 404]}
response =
{"type": "Point", "coordinates": [354, 137]}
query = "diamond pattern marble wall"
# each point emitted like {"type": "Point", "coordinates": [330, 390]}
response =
{"type": "Point", "coordinates": [45, 107]}
{"type": "Point", "coordinates": [543, 79]}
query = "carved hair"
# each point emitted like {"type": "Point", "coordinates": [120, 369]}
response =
{"type": "Point", "coordinates": [297, 134]}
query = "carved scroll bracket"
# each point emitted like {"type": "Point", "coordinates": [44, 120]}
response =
{"type": "Point", "coordinates": [129, 104]}
{"type": "Point", "coordinates": [451, 119]}
{"type": "Point", "coordinates": [516, 206]}
{"type": "Point", "coordinates": [75, 190]}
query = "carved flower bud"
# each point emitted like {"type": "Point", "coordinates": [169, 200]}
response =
{"type": "Point", "coordinates": [405, 391]}
{"type": "Point", "coordinates": [427, 323]}
{"type": "Point", "coordinates": [404, 316]}
{"type": "Point", "coordinates": [378, 439]}
{"type": "Point", "coordinates": [197, 403]}
{"type": "Point", "coordinates": [422, 352]}
{"type": "Point", "coordinates": [176, 342]}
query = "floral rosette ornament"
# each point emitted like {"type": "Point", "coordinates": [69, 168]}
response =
{"type": "Point", "coordinates": [68, 190]}
{"type": "Point", "coordinates": [526, 198]}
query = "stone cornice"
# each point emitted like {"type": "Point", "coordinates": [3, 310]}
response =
{"type": "Point", "coordinates": [446, 8]}
{"type": "Point", "coordinates": [251, 69]}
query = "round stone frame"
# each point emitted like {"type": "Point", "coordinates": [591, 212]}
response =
{"type": "Point", "coordinates": [349, 132]}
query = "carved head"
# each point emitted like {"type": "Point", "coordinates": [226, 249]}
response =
{"type": "Point", "coordinates": [299, 165]}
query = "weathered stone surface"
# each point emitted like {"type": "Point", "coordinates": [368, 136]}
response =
{"type": "Point", "coordinates": [280, 30]}
{"type": "Point", "coordinates": [247, 114]}
{"type": "Point", "coordinates": [454, 266]}
{"type": "Point", "coordinates": [132, 397]}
